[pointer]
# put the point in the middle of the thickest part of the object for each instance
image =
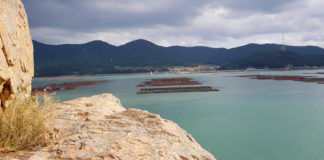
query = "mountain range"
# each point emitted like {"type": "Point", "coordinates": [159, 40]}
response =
{"type": "Point", "coordinates": [99, 57]}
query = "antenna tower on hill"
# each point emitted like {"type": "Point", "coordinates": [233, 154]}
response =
{"type": "Point", "coordinates": [283, 46]}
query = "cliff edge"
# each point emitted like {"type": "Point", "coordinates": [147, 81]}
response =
{"type": "Point", "coordinates": [98, 127]}
{"type": "Point", "coordinates": [16, 51]}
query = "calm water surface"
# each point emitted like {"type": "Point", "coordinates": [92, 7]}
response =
{"type": "Point", "coordinates": [247, 120]}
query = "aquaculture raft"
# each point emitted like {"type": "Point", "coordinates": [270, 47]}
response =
{"type": "Point", "coordinates": [168, 82]}
{"type": "Point", "coordinates": [179, 85]}
{"type": "Point", "coordinates": [176, 90]}
{"type": "Point", "coordinates": [52, 88]}
{"type": "Point", "coordinates": [285, 78]}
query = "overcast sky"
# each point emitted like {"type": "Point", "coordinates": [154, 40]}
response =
{"type": "Point", "coordinates": [214, 23]}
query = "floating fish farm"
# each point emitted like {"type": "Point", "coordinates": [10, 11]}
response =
{"type": "Point", "coordinates": [285, 78]}
{"type": "Point", "coordinates": [180, 85]}
{"type": "Point", "coordinates": [52, 88]}
{"type": "Point", "coordinates": [168, 82]}
{"type": "Point", "coordinates": [176, 89]}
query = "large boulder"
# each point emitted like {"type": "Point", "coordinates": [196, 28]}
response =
{"type": "Point", "coordinates": [16, 51]}
{"type": "Point", "coordinates": [99, 127]}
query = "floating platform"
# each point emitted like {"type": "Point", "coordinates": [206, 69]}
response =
{"type": "Point", "coordinates": [285, 78]}
{"type": "Point", "coordinates": [51, 88]}
{"type": "Point", "coordinates": [176, 90]}
{"type": "Point", "coordinates": [168, 82]}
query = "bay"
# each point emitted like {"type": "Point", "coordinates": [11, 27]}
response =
{"type": "Point", "coordinates": [246, 120]}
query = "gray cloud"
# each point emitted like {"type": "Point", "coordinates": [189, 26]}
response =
{"type": "Point", "coordinates": [177, 22]}
{"type": "Point", "coordinates": [99, 14]}
{"type": "Point", "coordinates": [255, 5]}
{"type": "Point", "coordinates": [94, 14]}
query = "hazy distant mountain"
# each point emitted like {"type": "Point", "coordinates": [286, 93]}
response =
{"type": "Point", "coordinates": [98, 57]}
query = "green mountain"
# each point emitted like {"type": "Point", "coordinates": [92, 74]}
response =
{"type": "Point", "coordinates": [98, 57]}
{"type": "Point", "coordinates": [276, 59]}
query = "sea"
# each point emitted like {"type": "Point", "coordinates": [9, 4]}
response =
{"type": "Point", "coordinates": [247, 119]}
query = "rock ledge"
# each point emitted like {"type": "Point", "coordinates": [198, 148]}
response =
{"type": "Point", "coordinates": [98, 127]}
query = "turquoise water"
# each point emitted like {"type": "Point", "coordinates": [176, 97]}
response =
{"type": "Point", "coordinates": [247, 120]}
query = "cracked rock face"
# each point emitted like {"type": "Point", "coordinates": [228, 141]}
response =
{"type": "Point", "coordinates": [16, 51]}
{"type": "Point", "coordinates": [99, 127]}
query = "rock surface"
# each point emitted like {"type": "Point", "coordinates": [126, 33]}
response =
{"type": "Point", "coordinates": [99, 127]}
{"type": "Point", "coordinates": [16, 51]}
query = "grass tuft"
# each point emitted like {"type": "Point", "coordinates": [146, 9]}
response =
{"type": "Point", "coordinates": [25, 123]}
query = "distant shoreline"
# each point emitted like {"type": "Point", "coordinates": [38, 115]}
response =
{"type": "Point", "coordinates": [180, 72]}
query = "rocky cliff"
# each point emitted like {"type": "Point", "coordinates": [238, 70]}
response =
{"type": "Point", "coordinates": [98, 127]}
{"type": "Point", "coordinates": [16, 51]}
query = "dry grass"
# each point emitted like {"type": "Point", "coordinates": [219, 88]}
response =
{"type": "Point", "coordinates": [25, 123]}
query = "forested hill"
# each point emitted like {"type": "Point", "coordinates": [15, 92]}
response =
{"type": "Point", "coordinates": [98, 57]}
{"type": "Point", "coordinates": [276, 59]}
